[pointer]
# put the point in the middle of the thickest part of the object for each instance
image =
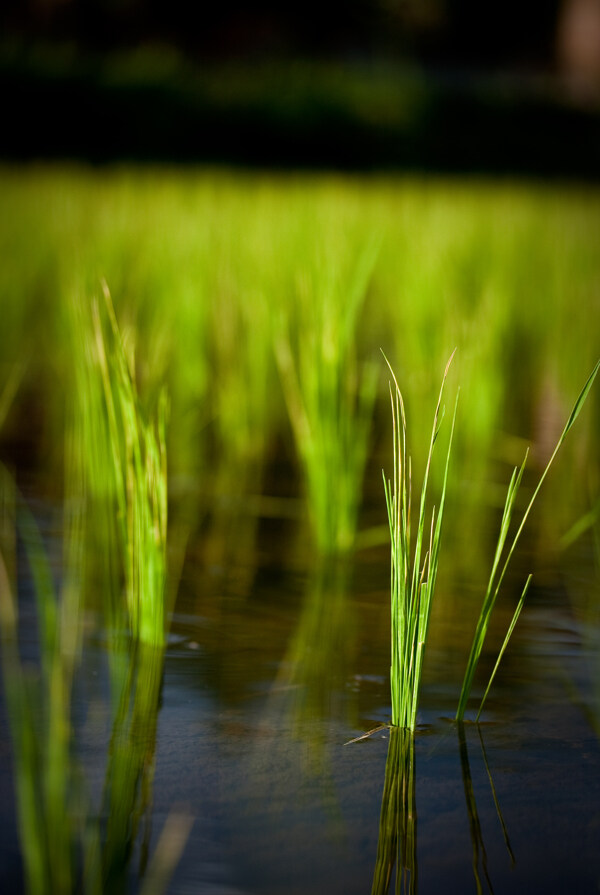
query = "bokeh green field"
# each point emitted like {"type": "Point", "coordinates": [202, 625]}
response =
{"type": "Point", "coordinates": [240, 391]}
{"type": "Point", "coordinates": [259, 299]}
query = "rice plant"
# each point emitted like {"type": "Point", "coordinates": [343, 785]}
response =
{"type": "Point", "coordinates": [413, 572]}
{"type": "Point", "coordinates": [329, 397]}
{"type": "Point", "coordinates": [124, 455]}
{"type": "Point", "coordinates": [499, 569]}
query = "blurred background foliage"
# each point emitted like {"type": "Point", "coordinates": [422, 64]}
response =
{"type": "Point", "coordinates": [208, 270]}
{"type": "Point", "coordinates": [439, 85]}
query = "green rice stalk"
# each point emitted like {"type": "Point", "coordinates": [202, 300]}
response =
{"type": "Point", "coordinates": [125, 457]}
{"type": "Point", "coordinates": [329, 398]}
{"type": "Point", "coordinates": [412, 580]}
{"type": "Point", "coordinates": [511, 628]}
{"type": "Point", "coordinates": [494, 584]}
{"type": "Point", "coordinates": [491, 592]}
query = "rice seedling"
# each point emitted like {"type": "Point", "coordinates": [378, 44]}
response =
{"type": "Point", "coordinates": [329, 398]}
{"type": "Point", "coordinates": [456, 266]}
{"type": "Point", "coordinates": [499, 569]}
{"type": "Point", "coordinates": [124, 456]}
{"type": "Point", "coordinates": [413, 576]}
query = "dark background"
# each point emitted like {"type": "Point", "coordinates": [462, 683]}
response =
{"type": "Point", "coordinates": [449, 85]}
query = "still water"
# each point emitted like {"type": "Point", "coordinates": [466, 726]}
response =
{"type": "Point", "coordinates": [242, 734]}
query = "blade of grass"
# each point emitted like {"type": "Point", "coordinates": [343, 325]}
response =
{"type": "Point", "coordinates": [492, 591]}
{"type": "Point", "coordinates": [511, 628]}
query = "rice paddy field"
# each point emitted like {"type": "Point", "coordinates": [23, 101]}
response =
{"type": "Point", "coordinates": [195, 549]}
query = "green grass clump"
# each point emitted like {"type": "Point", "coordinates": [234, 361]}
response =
{"type": "Point", "coordinates": [413, 575]}
{"type": "Point", "coordinates": [498, 572]}
{"type": "Point", "coordinates": [124, 456]}
{"type": "Point", "coordinates": [329, 396]}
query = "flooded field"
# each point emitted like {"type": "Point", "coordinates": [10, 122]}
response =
{"type": "Point", "coordinates": [195, 551]}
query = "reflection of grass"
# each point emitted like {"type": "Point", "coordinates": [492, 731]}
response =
{"type": "Point", "coordinates": [128, 786]}
{"type": "Point", "coordinates": [478, 845]}
{"type": "Point", "coordinates": [397, 844]}
{"type": "Point", "coordinates": [317, 659]}
{"type": "Point", "coordinates": [50, 799]}
{"type": "Point", "coordinates": [413, 575]}
{"type": "Point", "coordinates": [66, 847]}
{"type": "Point", "coordinates": [479, 852]}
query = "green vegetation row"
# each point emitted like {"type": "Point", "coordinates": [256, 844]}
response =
{"type": "Point", "coordinates": [226, 283]}
{"type": "Point", "coordinates": [260, 305]}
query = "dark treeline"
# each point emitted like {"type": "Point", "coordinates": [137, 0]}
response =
{"type": "Point", "coordinates": [453, 33]}
{"type": "Point", "coordinates": [448, 85]}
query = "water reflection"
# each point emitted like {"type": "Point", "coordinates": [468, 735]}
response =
{"type": "Point", "coordinates": [68, 845]}
{"type": "Point", "coordinates": [310, 684]}
{"type": "Point", "coordinates": [49, 792]}
{"type": "Point", "coordinates": [397, 844]}
{"type": "Point", "coordinates": [479, 854]}
{"type": "Point", "coordinates": [130, 767]}
{"type": "Point", "coordinates": [396, 866]}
